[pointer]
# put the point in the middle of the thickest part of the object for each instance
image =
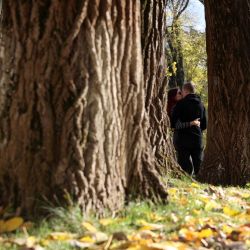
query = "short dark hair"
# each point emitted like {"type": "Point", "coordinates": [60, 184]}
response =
{"type": "Point", "coordinates": [189, 86]}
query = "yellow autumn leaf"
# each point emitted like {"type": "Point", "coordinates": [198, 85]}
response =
{"type": "Point", "coordinates": [183, 201]}
{"type": "Point", "coordinates": [205, 233]}
{"type": "Point", "coordinates": [174, 68]}
{"type": "Point", "coordinates": [197, 212]}
{"type": "Point", "coordinates": [204, 198]}
{"type": "Point", "coordinates": [187, 234]}
{"type": "Point", "coordinates": [226, 229]}
{"type": "Point", "coordinates": [61, 236]}
{"type": "Point", "coordinates": [89, 227]}
{"type": "Point", "coordinates": [229, 211]}
{"type": "Point", "coordinates": [106, 221]}
{"type": "Point", "coordinates": [195, 185]}
{"type": "Point", "coordinates": [149, 226]}
{"type": "Point", "coordinates": [245, 195]}
{"type": "Point", "coordinates": [243, 216]}
{"type": "Point", "coordinates": [2, 226]}
{"type": "Point", "coordinates": [211, 205]}
{"type": "Point", "coordinates": [136, 247]}
{"type": "Point", "coordinates": [44, 242]}
{"type": "Point", "coordinates": [168, 245]}
{"type": "Point", "coordinates": [172, 191]}
{"type": "Point", "coordinates": [87, 239]}
{"type": "Point", "coordinates": [156, 217]}
{"type": "Point", "coordinates": [13, 224]}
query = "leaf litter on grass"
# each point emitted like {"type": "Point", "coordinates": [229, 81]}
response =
{"type": "Point", "coordinates": [196, 217]}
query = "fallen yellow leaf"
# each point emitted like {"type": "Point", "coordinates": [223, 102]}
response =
{"type": "Point", "coordinates": [149, 226]}
{"type": "Point", "coordinates": [245, 195]}
{"type": "Point", "coordinates": [229, 211]}
{"type": "Point", "coordinates": [183, 201]}
{"type": "Point", "coordinates": [156, 217]}
{"type": "Point", "coordinates": [168, 245]}
{"type": "Point", "coordinates": [172, 191]}
{"type": "Point", "coordinates": [89, 227]}
{"type": "Point", "coordinates": [197, 212]}
{"type": "Point", "coordinates": [211, 205]}
{"type": "Point", "coordinates": [13, 224]}
{"type": "Point", "coordinates": [44, 242]}
{"type": "Point", "coordinates": [2, 226]}
{"type": "Point", "coordinates": [195, 185]}
{"type": "Point", "coordinates": [106, 221]}
{"type": "Point", "coordinates": [204, 198]}
{"type": "Point", "coordinates": [87, 239]}
{"type": "Point", "coordinates": [61, 236]}
{"type": "Point", "coordinates": [205, 233]}
{"type": "Point", "coordinates": [226, 229]}
{"type": "Point", "coordinates": [187, 234]}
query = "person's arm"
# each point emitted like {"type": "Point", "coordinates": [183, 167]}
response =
{"type": "Point", "coordinates": [182, 125]}
{"type": "Point", "coordinates": [203, 125]}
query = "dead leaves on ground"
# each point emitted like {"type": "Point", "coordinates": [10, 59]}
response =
{"type": "Point", "coordinates": [197, 217]}
{"type": "Point", "coordinates": [11, 224]}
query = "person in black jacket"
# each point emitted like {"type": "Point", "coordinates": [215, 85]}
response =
{"type": "Point", "coordinates": [188, 141]}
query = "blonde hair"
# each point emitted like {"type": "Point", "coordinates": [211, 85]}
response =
{"type": "Point", "coordinates": [189, 86]}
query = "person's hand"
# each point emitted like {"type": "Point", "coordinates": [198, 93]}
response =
{"type": "Point", "coordinates": [195, 122]}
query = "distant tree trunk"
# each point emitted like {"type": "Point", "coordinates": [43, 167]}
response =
{"type": "Point", "coordinates": [227, 158]}
{"type": "Point", "coordinates": [153, 45]}
{"type": "Point", "coordinates": [73, 105]}
{"type": "Point", "coordinates": [174, 51]}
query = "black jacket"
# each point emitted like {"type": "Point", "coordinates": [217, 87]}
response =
{"type": "Point", "coordinates": [187, 110]}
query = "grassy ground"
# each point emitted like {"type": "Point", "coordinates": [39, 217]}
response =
{"type": "Point", "coordinates": [196, 217]}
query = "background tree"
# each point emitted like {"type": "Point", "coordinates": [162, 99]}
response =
{"type": "Point", "coordinates": [73, 117]}
{"type": "Point", "coordinates": [174, 44]}
{"type": "Point", "coordinates": [195, 59]}
{"type": "Point", "coordinates": [227, 158]}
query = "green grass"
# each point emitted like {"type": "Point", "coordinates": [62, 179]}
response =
{"type": "Point", "coordinates": [193, 207]}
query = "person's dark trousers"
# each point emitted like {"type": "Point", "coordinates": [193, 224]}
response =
{"type": "Point", "coordinates": [189, 159]}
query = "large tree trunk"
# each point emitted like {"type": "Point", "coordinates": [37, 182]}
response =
{"type": "Point", "coordinates": [73, 105]}
{"type": "Point", "coordinates": [227, 158]}
{"type": "Point", "coordinates": [153, 45]}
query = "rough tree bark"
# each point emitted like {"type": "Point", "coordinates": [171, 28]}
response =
{"type": "Point", "coordinates": [227, 158]}
{"type": "Point", "coordinates": [153, 45]}
{"type": "Point", "coordinates": [73, 105]}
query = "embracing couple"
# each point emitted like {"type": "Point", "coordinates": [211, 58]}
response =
{"type": "Point", "coordinates": [188, 119]}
